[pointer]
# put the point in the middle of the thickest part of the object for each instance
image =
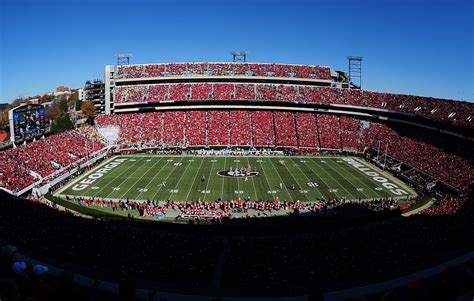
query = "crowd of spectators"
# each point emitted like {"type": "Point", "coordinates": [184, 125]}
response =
{"type": "Point", "coordinates": [218, 127]}
{"type": "Point", "coordinates": [285, 130]}
{"type": "Point", "coordinates": [298, 260]}
{"type": "Point", "coordinates": [456, 112]}
{"type": "Point", "coordinates": [283, 254]}
{"type": "Point", "coordinates": [329, 136]}
{"type": "Point", "coordinates": [416, 151]}
{"type": "Point", "coordinates": [222, 69]}
{"type": "Point", "coordinates": [422, 181]}
{"type": "Point", "coordinates": [152, 133]}
{"type": "Point", "coordinates": [173, 128]}
{"type": "Point", "coordinates": [350, 132]}
{"type": "Point", "coordinates": [263, 128]}
{"type": "Point", "coordinates": [306, 129]}
{"type": "Point", "coordinates": [240, 129]}
{"type": "Point", "coordinates": [445, 205]}
{"type": "Point", "coordinates": [195, 128]}
{"type": "Point", "coordinates": [23, 165]}
{"type": "Point", "coordinates": [223, 128]}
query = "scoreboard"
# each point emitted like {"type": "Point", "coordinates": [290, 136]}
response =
{"type": "Point", "coordinates": [26, 122]}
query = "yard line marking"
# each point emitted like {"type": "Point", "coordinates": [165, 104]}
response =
{"type": "Point", "coordinates": [182, 158]}
{"type": "Point", "coordinates": [238, 187]}
{"type": "Point", "coordinates": [253, 182]}
{"type": "Point", "coordinates": [139, 178]}
{"type": "Point", "coordinates": [281, 180]}
{"type": "Point", "coordinates": [265, 176]}
{"type": "Point", "coordinates": [197, 172]}
{"type": "Point", "coordinates": [157, 173]}
{"type": "Point", "coordinates": [223, 179]}
{"type": "Point", "coordinates": [342, 186]}
{"type": "Point", "coordinates": [112, 178]}
{"type": "Point", "coordinates": [322, 178]}
{"type": "Point", "coordinates": [208, 180]}
{"type": "Point", "coordinates": [309, 180]}
{"type": "Point", "coordinates": [359, 180]}
{"type": "Point", "coordinates": [127, 178]}
{"type": "Point", "coordinates": [291, 174]}
{"type": "Point", "coordinates": [146, 186]}
{"type": "Point", "coordinates": [180, 178]}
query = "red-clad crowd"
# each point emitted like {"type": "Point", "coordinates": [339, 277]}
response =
{"type": "Point", "coordinates": [456, 112]}
{"type": "Point", "coordinates": [240, 128]}
{"type": "Point", "coordinates": [45, 156]}
{"type": "Point", "coordinates": [449, 167]}
{"type": "Point", "coordinates": [350, 132]}
{"type": "Point", "coordinates": [195, 128]}
{"type": "Point", "coordinates": [218, 127]}
{"type": "Point", "coordinates": [222, 69]}
{"type": "Point", "coordinates": [173, 128]}
{"type": "Point", "coordinates": [285, 128]}
{"type": "Point", "coordinates": [329, 136]}
{"type": "Point", "coordinates": [447, 205]}
{"type": "Point", "coordinates": [263, 128]}
{"type": "Point", "coordinates": [306, 130]}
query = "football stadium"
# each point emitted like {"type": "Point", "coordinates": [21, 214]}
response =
{"type": "Point", "coordinates": [237, 180]}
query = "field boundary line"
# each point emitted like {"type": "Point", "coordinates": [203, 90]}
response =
{"type": "Point", "coordinates": [68, 185]}
{"type": "Point", "coordinates": [389, 175]}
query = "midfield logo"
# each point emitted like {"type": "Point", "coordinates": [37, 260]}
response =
{"type": "Point", "coordinates": [238, 173]}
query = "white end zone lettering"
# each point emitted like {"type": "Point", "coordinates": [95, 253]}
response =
{"type": "Point", "coordinates": [97, 174]}
{"type": "Point", "coordinates": [377, 177]}
{"type": "Point", "coordinates": [78, 187]}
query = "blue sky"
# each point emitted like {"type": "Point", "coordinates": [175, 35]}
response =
{"type": "Point", "coordinates": [416, 47]}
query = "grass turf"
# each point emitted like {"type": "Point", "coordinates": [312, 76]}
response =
{"type": "Point", "coordinates": [140, 177]}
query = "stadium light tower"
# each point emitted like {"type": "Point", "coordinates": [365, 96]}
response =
{"type": "Point", "coordinates": [123, 59]}
{"type": "Point", "coordinates": [239, 57]}
{"type": "Point", "coordinates": [355, 71]}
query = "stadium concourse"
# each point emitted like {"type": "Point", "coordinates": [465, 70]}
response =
{"type": "Point", "coordinates": [244, 110]}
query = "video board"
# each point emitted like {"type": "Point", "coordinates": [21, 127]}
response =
{"type": "Point", "coordinates": [27, 122]}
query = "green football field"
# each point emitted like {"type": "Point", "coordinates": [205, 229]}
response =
{"type": "Point", "coordinates": [186, 178]}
